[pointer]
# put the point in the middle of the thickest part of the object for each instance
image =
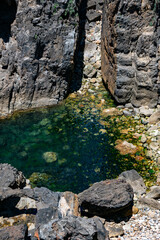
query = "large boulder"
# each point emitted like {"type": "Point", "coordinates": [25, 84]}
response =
{"type": "Point", "coordinates": [73, 228]}
{"type": "Point", "coordinates": [11, 177]}
{"type": "Point", "coordinates": [130, 51]}
{"type": "Point", "coordinates": [106, 197]}
{"type": "Point", "coordinates": [37, 46]}
{"type": "Point", "coordinates": [135, 180]}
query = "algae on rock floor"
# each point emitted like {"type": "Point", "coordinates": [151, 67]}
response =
{"type": "Point", "coordinates": [71, 146]}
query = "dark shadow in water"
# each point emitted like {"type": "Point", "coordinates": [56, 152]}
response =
{"type": "Point", "coordinates": [76, 81]}
{"type": "Point", "coordinates": [8, 10]}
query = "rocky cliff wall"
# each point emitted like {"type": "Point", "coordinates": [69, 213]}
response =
{"type": "Point", "coordinates": [37, 45]}
{"type": "Point", "coordinates": [131, 50]}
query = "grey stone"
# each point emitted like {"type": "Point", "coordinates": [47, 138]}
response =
{"type": "Point", "coordinates": [89, 71]}
{"type": "Point", "coordinates": [149, 202]}
{"type": "Point", "coordinates": [106, 197]}
{"type": "Point", "coordinates": [155, 117]}
{"type": "Point", "coordinates": [114, 230]}
{"type": "Point", "coordinates": [90, 48]}
{"type": "Point", "coordinates": [74, 228]}
{"type": "Point", "coordinates": [47, 214]}
{"type": "Point", "coordinates": [135, 180]}
{"type": "Point", "coordinates": [129, 105]}
{"type": "Point", "coordinates": [145, 111]}
{"type": "Point", "coordinates": [93, 16]}
{"type": "Point", "coordinates": [11, 177]}
{"type": "Point", "coordinates": [19, 232]}
{"type": "Point", "coordinates": [127, 113]}
{"type": "Point", "coordinates": [154, 192]}
{"type": "Point", "coordinates": [120, 106]}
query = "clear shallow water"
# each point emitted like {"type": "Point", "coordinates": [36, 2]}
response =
{"type": "Point", "coordinates": [63, 147]}
{"type": "Point", "coordinates": [79, 150]}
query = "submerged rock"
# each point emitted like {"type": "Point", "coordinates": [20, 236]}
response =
{"type": "Point", "coordinates": [50, 157]}
{"type": "Point", "coordinates": [111, 112]}
{"type": "Point", "coordinates": [125, 147]}
{"type": "Point", "coordinates": [106, 197]}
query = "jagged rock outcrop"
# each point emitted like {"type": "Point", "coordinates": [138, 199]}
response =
{"type": "Point", "coordinates": [74, 228]}
{"type": "Point", "coordinates": [131, 51]}
{"type": "Point", "coordinates": [37, 45]}
{"type": "Point", "coordinates": [11, 177]}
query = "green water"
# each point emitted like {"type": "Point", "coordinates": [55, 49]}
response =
{"type": "Point", "coordinates": [63, 147]}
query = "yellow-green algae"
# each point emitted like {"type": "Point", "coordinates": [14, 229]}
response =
{"type": "Point", "coordinates": [79, 140]}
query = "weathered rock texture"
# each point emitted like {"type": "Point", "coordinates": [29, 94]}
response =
{"type": "Point", "coordinates": [19, 232]}
{"type": "Point", "coordinates": [135, 180]}
{"type": "Point", "coordinates": [37, 44]}
{"type": "Point", "coordinates": [74, 228]}
{"type": "Point", "coordinates": [11, 177]}
{"type": "Point", "coordinates": [131, 51]}
{"type": "Point", "coordinates": [106, 197]}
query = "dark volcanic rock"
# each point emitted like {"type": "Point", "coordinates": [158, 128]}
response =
{"type": "Point", "coordinates": [49, 205]}
{"type": "Point", "coordinates": [19, 232]}
{"type": "Point", "coordinates": [11, 177]}
{"type": "Point", "coordinates": [37, 44]}
{"type": "Point", "coordinates": [130, 51]}
{"type": "Point", "coordinates": [45, 215]}
{"type": "Point", "coordinates": [46, 197]}
{"type": "Point", "coordinates": [73, 228]}
{"type": "Point", "coordinates": [106, 197]}
{"type": "Point", "coordinates": [9, 199]}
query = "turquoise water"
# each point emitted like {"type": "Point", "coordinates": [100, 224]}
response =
{"type": "Point", "coordinates": [63, 147]}
{"type": "Point", "coordinates": [79, 151]}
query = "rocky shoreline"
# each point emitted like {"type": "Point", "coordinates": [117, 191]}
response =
{"type": "Point", "coordinates": [110, 209]}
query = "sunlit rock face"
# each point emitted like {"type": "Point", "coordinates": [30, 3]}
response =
{"type": "Point", "coordinates": [37, 45]}
{"type": "Point", "coordinates": [131, 50]}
